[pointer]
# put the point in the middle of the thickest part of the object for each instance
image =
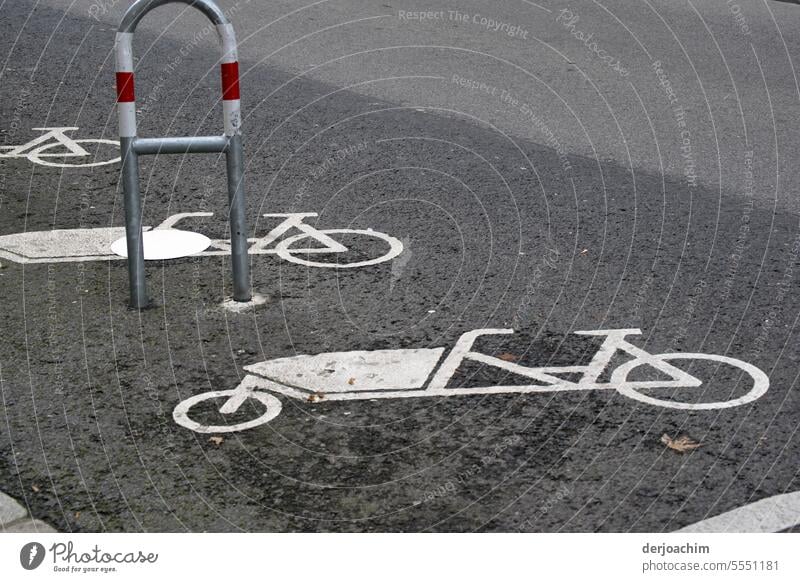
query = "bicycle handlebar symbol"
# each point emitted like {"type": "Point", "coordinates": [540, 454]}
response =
{"type": "Point", "coordinates": [40, 150]}
{"type": "Point", "coordinates": [404, 373]}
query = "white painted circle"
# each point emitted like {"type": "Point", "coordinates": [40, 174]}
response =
{"type": "Point", "coordinates": [283, 251]}
{"type": "Point", "coordinates": [35, 155]}
{"type": "Point", "coordinates": [181, 412]}
{"type": "Point", "coordinates": [168, 243]}
{"type": "Point", "coordinates": [621, 384]}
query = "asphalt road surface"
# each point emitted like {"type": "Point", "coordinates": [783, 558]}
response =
{"type": "Point", "coordinates": [539, 167]}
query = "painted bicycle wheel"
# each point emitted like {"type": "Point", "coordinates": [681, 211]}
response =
{"type": "Point", "coordinates": [235, 398]}
{"type": "Point", "coordinates": [636, 389]}
{"type": "Point", "coordinates": [285, 249]}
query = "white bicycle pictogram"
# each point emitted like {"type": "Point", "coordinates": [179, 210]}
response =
{"type": "Point", "coordinates": [40, 150]}
{"type": "Point", "coordinates": [288, 248]}
{"type": "Point", "coordinates": [288, 240]}
{"type": "Point", "coordinates": [403, 373]}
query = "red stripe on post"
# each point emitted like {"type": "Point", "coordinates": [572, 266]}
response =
{"type": "Point", "coordinates": [230, 80]}
{"type": "Point", "coordinates": [125, 87]}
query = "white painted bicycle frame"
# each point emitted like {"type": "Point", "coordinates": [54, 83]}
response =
{"type": "Point", "coordinates": [409, 369]}
{"type": "Point", "coordinates": [94, 244]}
{"type": "Point", "coordinates": [37, 148]}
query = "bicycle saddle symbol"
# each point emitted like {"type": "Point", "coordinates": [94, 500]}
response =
{"type": "Point", "coordinates": [409, 373]}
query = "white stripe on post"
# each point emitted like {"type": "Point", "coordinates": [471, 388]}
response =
{"type": "Point", "coordinates": [127, 119]}
{"type": "Point", "coordinates": [228, 39]}
{"type": "Point", "coordinates": [124, 50]}
{"type": "Point", "coordinates": [232, 114]}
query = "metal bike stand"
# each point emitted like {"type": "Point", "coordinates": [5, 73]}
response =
{"type": "Point", "coordinates": [131, 147]}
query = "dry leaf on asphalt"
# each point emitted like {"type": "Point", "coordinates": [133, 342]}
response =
{"type": "Point", "coordinates": [681, 444]}
{"type": "Point", "coordinates": [506, 357]}
{"type": "Point", "coordinates": [35, 488]}
{"type": "Point", "coordinates": [217, 440]}
{"type": "Point", "coordinates": [351, 381]}
{"type": "Point", "coordinates": [316, 397]}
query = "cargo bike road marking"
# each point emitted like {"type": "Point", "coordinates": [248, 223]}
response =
{"type": "Point", "coordinates": [410, 373]}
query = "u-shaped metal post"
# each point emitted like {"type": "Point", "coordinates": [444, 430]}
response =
{"type": "Point", "coordinates": [131, 146]}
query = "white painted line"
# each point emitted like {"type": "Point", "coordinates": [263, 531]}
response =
{"type": "Point", "coordinates": [165, 244]}
{"type": "Point", "coordinates": [770, 515]}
